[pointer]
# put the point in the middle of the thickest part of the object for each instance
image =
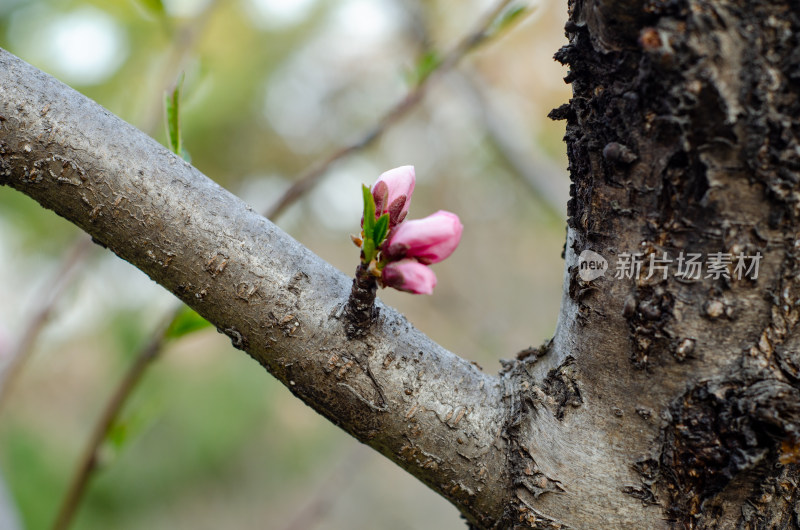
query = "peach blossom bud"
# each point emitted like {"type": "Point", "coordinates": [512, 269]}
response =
{"type": "Point", "coordinates": [409, 275]}
{"type": "Point", "coordinates": [429, 240]}
{"type": "Point", "coordinates": [392, 193]}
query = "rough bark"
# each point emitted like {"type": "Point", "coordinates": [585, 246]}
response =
{"type": "Point", "coordinates": [684, 139]}
{"type": "Point", "coordinates": [660, 402]}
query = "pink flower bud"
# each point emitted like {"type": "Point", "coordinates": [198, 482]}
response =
{"type": "Point", "coordinates": [429, 240]}
{"type": "Point", "coordinates": [392, 192]}
{"type": "Point", "coordinates": [409, 275]}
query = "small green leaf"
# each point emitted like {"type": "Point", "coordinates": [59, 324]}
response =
{"type": "Point", "coordinates": [173, 107]}
{"type": "Point", "coordinates": [186, 322]}
{"type": "Point", "coordinates": [129, 426]}
{"type": "Point", "coordinates": [156, 6]}
{"type": "Point", "coordinates": [117, 435]}
{"type": "Point", "coordinates": [381, 229]}
{"type": "Point", "coordinates": [370, 244]}
{"type": "Point", "coordinates": [369, 210]}
{"type": "Point", "coordinates": [512, 15]}
{"type": "Point", "coordinates": [426, 65]}
{"type": "Point", "coordinates": [368, 249]}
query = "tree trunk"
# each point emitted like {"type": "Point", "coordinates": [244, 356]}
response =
{"type": "Point", "coordinates": [682, 138]}
{"type": "Point", "coordinates": [662, 401]}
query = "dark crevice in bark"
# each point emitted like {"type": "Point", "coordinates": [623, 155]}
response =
{"type": "Point", "coordinates": [647, 469]}
{"type": "Point", "coordinates": [561, 385]}
{"type": "Point", "coordinates": [775, 502]}
{"type": "Point", "coordinates": [719, 430]}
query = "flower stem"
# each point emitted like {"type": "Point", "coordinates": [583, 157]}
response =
{"type": "Point", "coordinates": [360, 311]}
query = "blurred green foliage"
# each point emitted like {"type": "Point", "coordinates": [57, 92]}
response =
{"type": "Point", "coordinates": [187, 321]}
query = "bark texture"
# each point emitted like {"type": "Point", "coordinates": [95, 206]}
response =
{"type": "Point", "coordinates": [660, 402]}
{"type": "Point", "coordinates": [683, 137]}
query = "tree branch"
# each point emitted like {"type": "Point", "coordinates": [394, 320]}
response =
{"type": "Point", "coordinates": [87, 463]}
{"type": "Point", "coordinates": [428, 410]}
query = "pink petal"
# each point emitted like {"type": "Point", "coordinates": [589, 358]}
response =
{"type": "Point", "coordinates": [409, 275]}
{"type": "Point", "coordinates": [392, 192]}
{"type": "Point", "coordinates": [429, 240]}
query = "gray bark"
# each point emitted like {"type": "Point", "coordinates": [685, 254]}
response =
{"type": "Point", "coordinates": [660, 402]}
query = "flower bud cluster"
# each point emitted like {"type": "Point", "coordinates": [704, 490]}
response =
{"type": "Point", "coordinates": [403, 257]}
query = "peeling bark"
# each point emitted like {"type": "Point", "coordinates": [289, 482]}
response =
{"type": "Point", "coordinates": [661, 401]}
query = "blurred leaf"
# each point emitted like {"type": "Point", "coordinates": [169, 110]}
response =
{"type": "Point", "coordinates": [506, 19]}
{"type": "Point", "coordinates": [188, 321]}
{"type": "Point", "coordinates": [425, 66]}
{"type": "Point", "coordinates": [117, 435]}
{"type": "Point", "coordinates": [128, 428]}
{"type": "Point", "coordinates": [34, 468]}
{"type": "Point", "coordinates": [156, 6]}
{"type": "Point", "coordinates": [173, 107]}
{"type": "Point", "coordinates": [128, 330]}
{"type": "Point", "coordinates": [381, 229]}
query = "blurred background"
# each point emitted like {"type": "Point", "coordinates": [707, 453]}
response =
{"type": "Point", "coordinates": [209, 440]}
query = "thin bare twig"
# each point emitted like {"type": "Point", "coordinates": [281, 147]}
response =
{"type": "Point", "coordinates": [184, 44]}
{"type": "Point", "coordinates": [328, 491]}
{"type": "Point", "coordinates": [155, 346]}
{"type": "Point", "coordinates": [47, 300]}
{"type": "Point", "coordinates": [547, 182]}
{"type": "Point", "coordinates": [179, 54]}
{"type": "Point", "coordinates": [311, 176]}
{"type": "Point", "coordinates": [89, 459]}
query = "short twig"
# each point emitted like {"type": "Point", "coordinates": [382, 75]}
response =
{"type": "Point", "coordinates": [46, 302]}
{"type": "Point", "coordinates": [328, 491]}
{"type": "Point", "coordinates": [89, 459]}
{"type": "Point", "coordinates": [360, 310]}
